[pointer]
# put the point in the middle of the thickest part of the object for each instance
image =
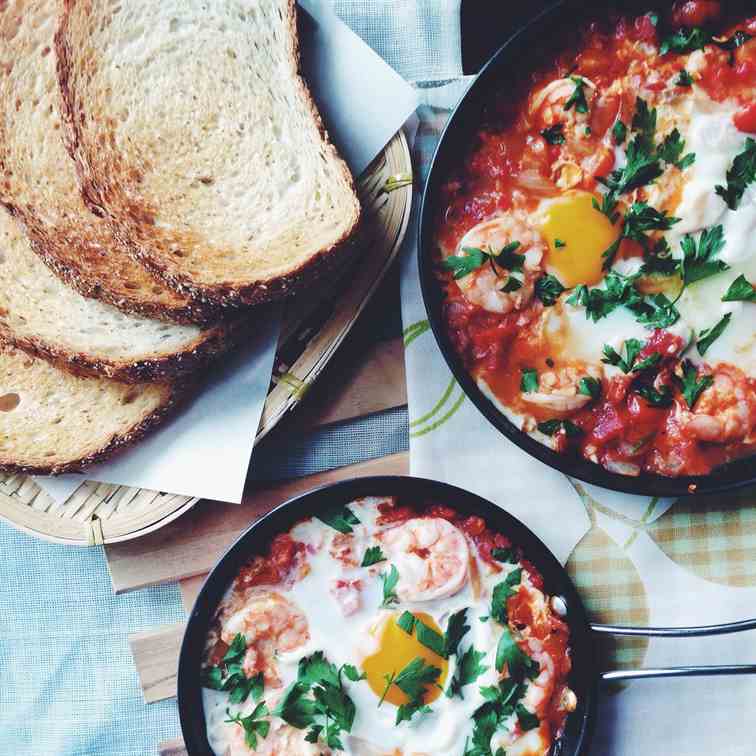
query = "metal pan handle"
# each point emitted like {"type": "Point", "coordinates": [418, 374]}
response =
{"type": "Point", "coordinates": [678, 632]}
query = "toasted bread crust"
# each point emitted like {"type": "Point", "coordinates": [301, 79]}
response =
{"type": "Point", "coordinates": [158, 370]}
{"type": "Point", "coordinates": [95, 192]}
{"type": "Point", "coordinates": [175, 394]}
{"type": "Point", "coordinates": [42, 192]}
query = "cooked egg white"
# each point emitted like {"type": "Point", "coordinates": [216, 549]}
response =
{"type": "Point", "coordinates": [370, 639]}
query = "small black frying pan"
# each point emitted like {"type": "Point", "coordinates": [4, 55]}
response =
{"type": "Point", "coordinates": [584, 678]}
{"type": "Point", "coordinates": [529, 45]}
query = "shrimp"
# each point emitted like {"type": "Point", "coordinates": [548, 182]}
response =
{"type": "Point", "coordinates": [540, 691]}
{"type": "Point", "coordinates": [343, 548]}
{"type": "Point", "coordinates": [348, 595]}
{"type": "Point", "coordinates": [281, 740]}
{"type": "Point", "coordinates": [550, 102]}
{"type": "Point", "coordinates": [270, 624]}
{"type": "Point", "coordinates": [484, 286]}
{"type": "Point", "coordinates": [725, 412]}
{"type": "Point", "coordinates": [532, 743]}
{"type": "Point", "coordinates": [431, 556]}
{"type": "Point", "coordinates": [559, 390]}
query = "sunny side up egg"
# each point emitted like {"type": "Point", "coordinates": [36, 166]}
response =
{"type": "Point", "coordinates": [314, 615]}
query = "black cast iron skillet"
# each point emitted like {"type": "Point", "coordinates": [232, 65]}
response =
{"type": "Point", "coordinates": [511, 64]}
{"type": "Point", "coordinates": [584, 677]}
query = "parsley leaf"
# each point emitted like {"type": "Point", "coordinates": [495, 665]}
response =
{"type": "Point", "coordinates": [608, 206]}
{"type": "Point", "coordinates": [508, 556]}
{"type": "Point", "coordinates": [373, 555]}
{"type": "Point", "coordinates": [352, 673]}
{"type": "Point", "coordinates": [229, 675]}
{"type": "Point", "coordinates": [709, 335]}
{"type": "Point", "coordinates": [512, 284]}
{"type": "Point", "coordinates": [698, 262]}
{"type": "Point", "coordinates": [639, 218]}
{"type": "Point", "coordinates": [319, 692]}
{"type": "Point", "coordinates": [456, 628]}
{"type": "Point", "coordinates": [527, 720]}
{"type": "Point", "coordinates": [659, 260]}
{"type": "Point", "coordinates": [339, 518]}
{"type": "Point", "coordinates": [552, 427]}
{"type": "Point", "coordinates": [618, 291]}
{"type": "Point", "coordinates": [684, 79]}
{"type": "Point", "coordinates": [558, 243]}
{"type": "Point", "coordinates": [590, 386]}
{"type": "Point", "coordinates": [554, 134]}
{"type": "Point", "coordinates": [501, 592]}
{"type": "Point", "coordinates": [685, 41]}
{"type": "Point", "coordinates": [474, 258]}
{"type": "Point", "coordinates": [529, 380]}
{"type": "Point", "coordinates": [741, 290]}
{"type": "Point", "coordinates": [253, 725]}
{"type": "Point", "coordinates": [518, 664]}
{"type": "Point", "coordinates": [429, 638]}
{"type": "Point", "coordinates": [412, 681]}
{"type": "Point", "coordinates": [656, 312]}
{"type": "Point", "coordinates": [671, 151]}
{"type": "Point", "coordinates": [499, 704]}
{"type": "Point", "coordinates": [577, 98]}
{"type": "Point", "coordinates": [619, 132]}
{"type": "Point", "coordinates": [661, 398]}
{"type": "Point", "coordinates": [690, 386]}
{"type": "Point", "coordinates": [741, 173]}
{"type": "Point", "coordinates": [548, 288]}
{"type": "Point", "coordinates": [407, 622]}
{"type": "Point", "coordinates": [389, 587]}
{"type": "Point", "coordinates": [467, 671]}
{"type": "Point", "coordinates": [631, 347]}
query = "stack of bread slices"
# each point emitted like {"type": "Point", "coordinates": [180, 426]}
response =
{"type": "Point", "coordinates": [163, 169]}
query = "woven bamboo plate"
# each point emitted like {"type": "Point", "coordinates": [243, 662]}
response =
{"type": "Point", "coordinates": [312, 331]}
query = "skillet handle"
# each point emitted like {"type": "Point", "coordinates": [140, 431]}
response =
{"type": "Point", "coordinates": [677, 632]}
{"type": "Point", "coordinates": [699, 671]}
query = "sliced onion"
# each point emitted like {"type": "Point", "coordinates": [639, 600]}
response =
{"type": "Point", "coordinates": [623, 468]}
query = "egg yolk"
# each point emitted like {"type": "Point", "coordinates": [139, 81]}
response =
{"type": "Point", "coordinates": [397, 649]}
{"type": "Point", "coordinates": [577, 235]}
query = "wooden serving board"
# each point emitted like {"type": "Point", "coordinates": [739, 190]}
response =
{"type": "Point", "coordinates": [187, 551]}
{"type": "Point", "coordinates": [313, 329]}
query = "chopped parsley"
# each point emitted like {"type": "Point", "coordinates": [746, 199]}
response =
{"type": "Point", "coordinates": [659, 261]}
{"type": "Point", "coordinates": [590, 386]}
{"type": "Point", "coordinates": [661, 398]}
{"type": "Point", "coordinates": [508, 556]}
{"type": "Point", "coordinates": [689, 40]}
{"type": "Point", "coordinates": [499, 705]}
{"type": "Point", "coordinates": [548, 289]}
{"type": "Point", "coordinates": [319, 693]}
{"type": "Point", "coordinates": [639, 219]}
{"type": "Point", "coordinates": [373, 555]}
{"type": "Point", "coordinates": [554, 134]}
{"type": "Point", "coordinates": [509, 655]}
{"type": "Point", "coordinates": [552, 427]}
{"type": "Point", "coordinates": [467, 671]}
{"type": "Point", "coordinates": [684, 79]}
{"type": "Point", "coordinates": [690, 387]}
{"type": "Point", "coordinates": [390, 580]}
{"type": "Point", "coordinates": [685, 41]}
{"type": "Point", "coordinates": [656, 312]}
{"type": "Point", "coordinates": [512, 284]}
{"type": "Point", "coordinates": [619, 132]}
{"type": "Point", "coordinates": [709, 335]}
{"type": "Point", "coordinates": [527, 720]}
{"type": "Point", "coordinates": [456, 628]}
{"type": "Point", "coordinates": [618, 291]}
{"type": "Point", "coordinates": [698, 256]}
{"type": "Point", "coordinates": [501, 592]}
{"type": "Point", "coordinates": [741, 173]}
{"type": "Point", "coordinates": [254, 725]}
{"type": "Point", "coordinates": [475, 257]}
{"type": "Point", "coordinates": [230, 677]}
{"type": "Point", "coordinates": [577, 98]}
{"type": "Point", "coordinates": [630, 363]}
{"type": "Point", "coordinates": [529, 380]}
{"type": "Point", "coordinates": [429, 638]}
{"type": "Point", "coordinates": [412, 681]}
{"type": "Point", "coordinates": [558, 243]}
{"type": "Point", "coordinates": [407, 622]}
{"type": "Point", "coordinates": [741, 290]}
{"type": "Point", "coordinates": [339, 518]}
{"type": "Point", "coordinates": [671, 151]}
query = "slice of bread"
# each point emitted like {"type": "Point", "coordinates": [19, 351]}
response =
{"type": "Point", "coordinates": [53, 422]}
{"type": "Point", "coordinates": [41, 314]}
{"type": "Point", "coordinates": [38, 178]}
{"type": "Point", "coordinates": [195, 133]}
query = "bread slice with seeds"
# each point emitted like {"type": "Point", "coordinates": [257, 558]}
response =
{"type": "Point", "coordinates": [41, 314]}
{"type": "Point", "coordinates": [195, 133]}
{"type": "Point", "coordinates": [54, 422]}
{"type": "Point", "coordinates": [38, 178]}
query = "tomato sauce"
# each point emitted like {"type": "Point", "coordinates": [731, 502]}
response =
{"type": "Point", "coordinates": [511, 164]}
